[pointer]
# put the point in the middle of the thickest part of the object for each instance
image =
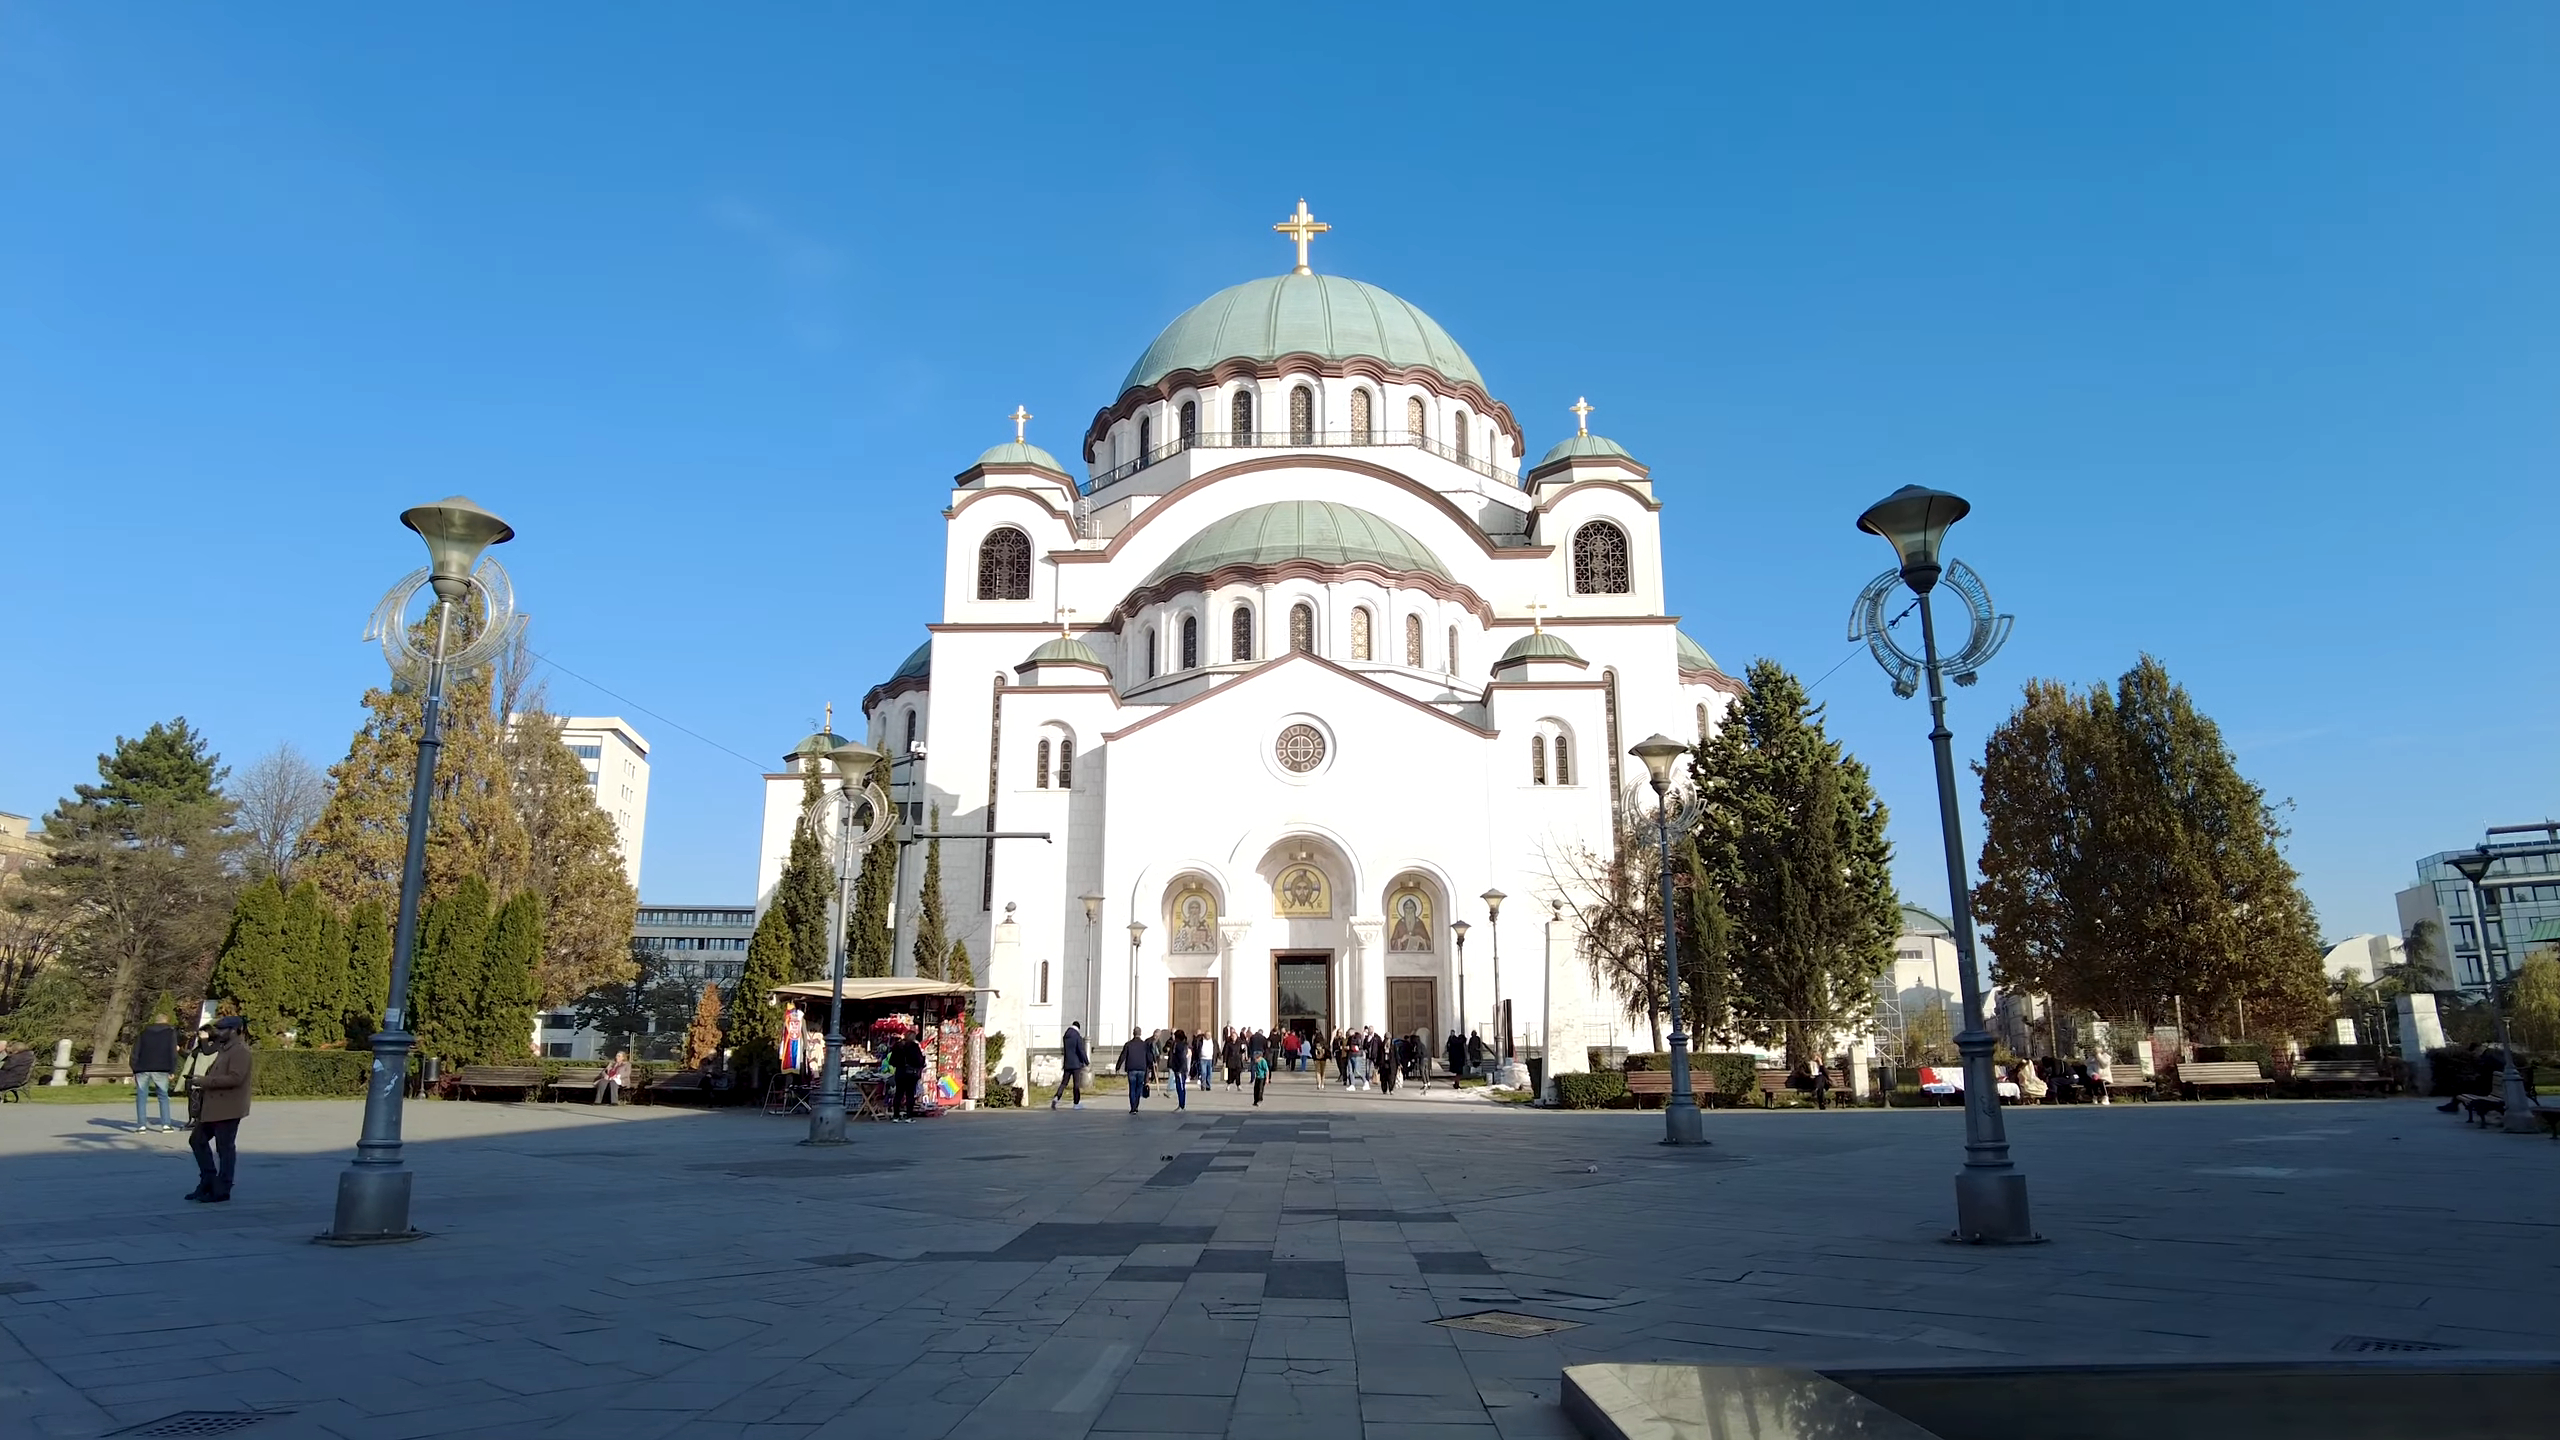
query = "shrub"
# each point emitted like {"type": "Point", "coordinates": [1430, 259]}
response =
{"type": "Point", "coordinates": [309, 1074]}
{"type": "Point", "coordinates": [1737, 1077]}
{"type": "Point", "coordinates": [1591, 1091]}
{"type": "Point", "coordinates": [995, 1052]}
{"type": "Point", "coordinates": [2359, 1053]}
{"type": "Point", "coordinates": [2454, 1070]}
{"type": "Point", "coordinates": [1649, 1060]}
{"type": "Point", "coordinates": [2249, 1050]}
{"type": "Point", "coordinates": [1002, 1097]}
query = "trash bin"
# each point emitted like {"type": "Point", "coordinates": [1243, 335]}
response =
{"type": "Point", "coordinates": [1537, 1075]}
{"type": "Point", "coordinates": [430, 1070]}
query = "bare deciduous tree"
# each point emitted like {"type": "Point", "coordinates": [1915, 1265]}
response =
{"type": "Point", "coordinates": [280, 797]}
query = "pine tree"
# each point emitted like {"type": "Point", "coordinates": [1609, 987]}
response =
{"type": "Point", "coordinates": [960, 971]}
{"type": "Point", "coordinates": [1791, 838]}
{"type": "Point", "coordinates": [932, 947]}
{"type": "Point", "coordinates": [448, 972]}
{"type": "Point", "coordinates": [807, 885]}
{"type": "Point", "coordinates": [503, 1021]}
{"type": "Point", "coordinates": [354, 851]}
{"type": "Point", "coordinates": [368, 973]}
{"type": "Point", "coordinates": [871, 944]}
{"type": "Point", "coordinates": [324, 1015]}
{"type": "Point", "coordinates": [575, 855]}
{"type": "Point", "coordinates": [313, 969]}
{"type": "Point", "coordinates": [251, 971]}
{"type": "Point", "coordinates": [755, 1024]}
{"type": "Point", "coordinates": [703, 1040]}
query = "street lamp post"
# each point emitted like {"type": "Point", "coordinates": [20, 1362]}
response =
{"type": "Point", "coordinates": [1092, 967]}
{"type": "Point", "coordinates": [2473, 867]}
{"type": "Point", "coordinates": [373, 1191]}
{"type": "Point", "coordinates": [1137, 932]}
{"type": "Point", "coordinates": [1681, 1122]}
{"type": "Point", "coordinates": [1991, 1193]}
{"type": "Point", "coordinates": [1501, 1023]}
{"type": "Point", "coordinates": [1459, 928]}
{"type": "Point", "coordinates": [855, 764]}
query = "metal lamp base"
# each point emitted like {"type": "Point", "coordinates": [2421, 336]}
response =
{"type": "Point", "coordinates": [826, 1129]}
{"type": "Point", "coordinates": [2518, 1119]}
{"type": "Point", "coordinates": [1991, 1209]}
{"type": "Point", "coordinates": [1683, 1125]}
{"type": "Point", "coordinates": [373, 1207]}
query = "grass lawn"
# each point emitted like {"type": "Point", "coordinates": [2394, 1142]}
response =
{"type": "Point", "coordinates": [120, 1097]}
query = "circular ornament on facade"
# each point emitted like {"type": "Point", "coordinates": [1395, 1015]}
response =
{"type": "Point", "coordinates": [1299, 749]}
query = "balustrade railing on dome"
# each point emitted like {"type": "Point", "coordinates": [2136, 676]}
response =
{"type": "Point", "coordinates": [1299, 440]}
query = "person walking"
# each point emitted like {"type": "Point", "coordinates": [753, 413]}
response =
{"type": "Point", "coordinates": [1261, 1074]}
{"type": "Point", "coordinates": [1475, 1051]}
{"type": "Point", "coordinates": [155, 1059]}
{"type": "Point", "coordinates": [1073, 1060]}
{"type": "Point", "coordinates": [1455, 1053]}
{"type": "Point", "coordinates": [1235, 1059]}
{"type": "Point", "coordinates": [1136, 1059]}
{"type": "Point", "coordinates": [1179, 1062]}
{"type": "Point", "coordinates": [906, 1074]}
{"type": "Point", "coordinates": [216, 1138]}
{"type": "Point", "coordinates": [617, 1074]}
{"type": "Point", "coordinates": [1204, 1055]}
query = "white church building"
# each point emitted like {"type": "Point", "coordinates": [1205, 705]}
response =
{"type": "Point", "coordinates": [1309, 661]}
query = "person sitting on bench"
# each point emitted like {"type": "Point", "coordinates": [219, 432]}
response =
{"type": "Point", "coordinates": [17, 1066]}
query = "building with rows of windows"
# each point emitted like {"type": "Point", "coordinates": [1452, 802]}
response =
{"type": "Point", "coordinates": [1309, 660]}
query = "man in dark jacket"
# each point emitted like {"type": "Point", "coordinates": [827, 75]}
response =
{"type": "Point", "coordinates": [1073, 1060]}
{"type": "Point", "coordinates": [17, 1063]}
{"type": "Point", "coordinates": [155, 1059]}
{"type": "Point", "coordinates": [1456, 1054]}
{"type": "Point", "coordinates": [226, 1103]}
{"type": "Point", "coordinates": [906, 1072]}
{"type": "Point", "coordinates": [1136, 1059]}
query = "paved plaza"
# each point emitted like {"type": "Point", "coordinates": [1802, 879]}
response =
{"type": "Point", "coordinates": [1226, 1271]}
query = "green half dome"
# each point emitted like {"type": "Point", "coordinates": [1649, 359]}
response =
{"type": "Point", "coordinates": [917, 666]}
{"type": "Point", "coordinates": [1323, 315]}
{"type": "Point", "coordinates": [1318, 530]}
{"type": "Point", "coordinates": [1694, 656]}
{"type": "Point", "coordinates": [818, 743]}
{"type": "Point", "coordinates": [1015, 452]}
{"type": "Point", "coordinates": [1065, 650]}
{"type": "Point", "coordinates": [1585, 447]}
{"type": "Point", "coordinates": [1539, 645]}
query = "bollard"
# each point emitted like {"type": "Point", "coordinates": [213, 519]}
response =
{"type": "Point", "coordinates": [61, 1062]}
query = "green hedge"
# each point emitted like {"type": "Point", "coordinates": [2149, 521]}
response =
{"type": "Point", "coordinates": [1002, 1097]}
{"type": "Point", "coordinates": [1737, 1077]}
{"type": "Point", "coordinates": [309, 1074]}
{"type": "Point", "coordinates": [1648, 1060]}
{"type": "Point", "coordinates": [2249, 1050]}
{"type": "Point", "coordinates": [1591, 1091]}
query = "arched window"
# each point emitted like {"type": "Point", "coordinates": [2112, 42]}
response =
{"type": "Point", "coordinates": [1146, 437]}
{"type": "Point", "coordinates": [1040, 768]}
{"type": "Point", "coordinates": [1458, 435]}
{"type": "Point", "coordinates": [1190, 642]}
{"type": "Point", "coordinates": [1413, 641]}
{"type": "Point", "coordinates": [1150, 643]}
{"type": "Point", "coordinates": [1302, 416]}
{"type": "Point", "coordinates": [1067, 763]}
{"type": "Point", "coordinates": [1004, 565]}
{"type": "Point", "coordinates": [1302, 628]}
{"type": "Point", "coordinates": [1600, 559]}
{"type": "Point", "coordinates": [1417, 421]}
{"type": "Point", "coordinates": [1044, 984]}
{"type": "Point", "coordinates": [1453, 649]}
{"type": "Point", "coordinates": [1359, 417]}
{"type": "Point", "coordinates": [1564, 761]}
{"type": "Point", "coordinates": [1702, 723]}
{"type": "Point", "coordinates": [1537, 759]}
{"type": "Point", "coordinates": [1240, 634]}
{"type": "Point", "coordinates": [1240, 417]}
{"type": "Point", "coordinates": [1360, 632]}
{"type": "Point", "coordinates": [1190, 414]}
{"type": "Point", "coordinates": [911, 727]}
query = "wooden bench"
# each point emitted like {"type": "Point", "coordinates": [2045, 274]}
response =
{"type": "Point", "coordinates": [2355, 1075]}
{"type": "Point", "coordinates": [682, 1082]}
{"type": "Point", "coordinates": [2198, 1076]}
{"type": "Point", "coordinates": [526, 1079]}
{"type": "Point", "coordinates": [574, 1080]}
{"type": "Point", "coordinates": [1773, 1083]}
{"type": "Point", "coordinates": [100, 1072]}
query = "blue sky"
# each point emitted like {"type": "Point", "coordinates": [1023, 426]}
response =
{"type": "Point", "coordinates": [2236, 323]}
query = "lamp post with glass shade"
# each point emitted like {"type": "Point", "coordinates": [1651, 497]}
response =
{"type": "Point", "coordinates": [1137, 932]}
{"type": "Point", "coordinates": [1991, 1193]}
{"type": "Point", "coordinates": [1501, 1023]}
{"type": "Point", "coordinates": [1459, 928]}
{"type": "Point", "coordinates": [2473, 867]}
{"type": "Point", "coordinates": [855, 764]}
{"type": "Point", "coordinates": [1681, 1122]}
{"type": "Point", "coordinates": [373, 1191]}
{"type": "Point", "coordinates": [1092, 964]}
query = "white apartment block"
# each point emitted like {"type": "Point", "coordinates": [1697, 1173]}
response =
{"type": "Point", "coordinates": [616, 760]}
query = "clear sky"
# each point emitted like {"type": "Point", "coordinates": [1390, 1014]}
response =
{"type": "Point", "coordinates": [2237, 323]}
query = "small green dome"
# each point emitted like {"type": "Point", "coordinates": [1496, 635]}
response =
{"type": "Point", "coordinates": [1539, 645]}
{"type": "Point", "coordinates": [816, 744]}
{"type": "Point", "coordinates": [1694, 656]}
{"type": "Point", "coordinates": [1065, 650]}
{"type": "Point", "coordinates": [917, 666]}
{"type": "Point", "coordinates": [1323, 315]}
{"type": "Point", "coordinates": [1318, 530]}
{"type": "Point", "coordinates": [1016, 453]}
{"type": "Point", "coordinates": [1585, 447]}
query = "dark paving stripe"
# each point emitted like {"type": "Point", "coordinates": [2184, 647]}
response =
{"type": "Point", "coordinates": [1175, 1273]}
{"type": "Point", "coordinates": [793, 1167]}
{"type": "Point", "coordinates": [1392, 1217]}
{"type": "Point", "coordinates": [1233, 1262]}
{"type": "Point", "coordinates": [1451, 1262]}
{"type": "Point", "coordinates": [1305, 1280]}
{"type": "Point", "coordinates": [1181, 1170]}
{"type": "Point", "coordinates": [1051, 1239]}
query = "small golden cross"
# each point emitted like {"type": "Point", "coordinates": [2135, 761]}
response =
{"type": "Point", "coordinates": [1581, 409]}
{"type": "Point", "coordinates": [1534, 624]}
{"type": "Point", "coordinates": [1302, 227]}
{"type": "Point", "coordinates": [830, 726]}
{"type": "Point", "coordinates": [1063, 613]}
{"type": "Point", "coordinates": [1020, 417]}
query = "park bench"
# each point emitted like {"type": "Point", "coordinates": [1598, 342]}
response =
{"type": "Point", "coordinates": [1656, 1085]}
{"type": "Point", "coordinates": [101, 1072]}
{"type": "Point", "coordinates": [2355, 1075]}
{"type": "Point", "coordinates": [574, 1080]}
{"type": "Point", "coordinates": [682, 1082]}
{"type": "Point", "coordinates": [2196, 1077]}
{"type": "Point", "coordinates": [525, 1079]}
{"type": "Point", "coordinates": [1773, 1083]}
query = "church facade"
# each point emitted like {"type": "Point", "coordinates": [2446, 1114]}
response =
{"type": "Point", "coordinates": [1307, 663]}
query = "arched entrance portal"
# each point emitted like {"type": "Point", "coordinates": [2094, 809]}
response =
{"type": "Point", "coordinates": [1310, 888]}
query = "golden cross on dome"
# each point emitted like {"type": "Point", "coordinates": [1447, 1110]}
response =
{"type": "Point", "coordinates": [1302, 227]}
{"type": "Point", "coordinates": [830, 726]}
{"type": "Point", "coordinates": [1581, 409]}
{"type": "Point", "coordinates": [1020, 417]}
{"type": "Point", "coordinates": [1534, 626]}
{"type": "Point", "coordinates": [1063, 613]}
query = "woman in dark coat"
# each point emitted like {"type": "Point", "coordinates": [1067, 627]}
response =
{"type": "Point", "coordinates": [1235, 1059]}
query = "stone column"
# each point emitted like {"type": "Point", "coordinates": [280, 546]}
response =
{"type": "Point", "coordinates": [1366, 982]}
{"type": "Point", "coordinates": [1232, 935]}
{"type": "Point", "coordinates": [1566, 1045]}
{"type": "Point", "coordinates": [2420, 1032]}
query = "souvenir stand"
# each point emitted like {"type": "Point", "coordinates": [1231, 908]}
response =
{"type": "Point", "coordinates": [876, 1012]}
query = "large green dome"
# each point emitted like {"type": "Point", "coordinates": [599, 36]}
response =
{"type": "Point", "coordinates": [1324, 315]}
{"type": "Point", "coordinates": [1318, 530]}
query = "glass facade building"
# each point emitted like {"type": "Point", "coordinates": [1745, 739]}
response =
{"type": "Point", "coordinates": [2522, 895]}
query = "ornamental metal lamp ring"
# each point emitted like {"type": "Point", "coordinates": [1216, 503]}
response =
{"type": "Point", "coordinates": [868, 832]}
{"type": "Point", "coordinates": [1988, 632]}
{"type": "Point", "coordinates": [490, 632]}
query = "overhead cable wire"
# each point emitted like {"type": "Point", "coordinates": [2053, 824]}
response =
{"type": "Point", "coordinates": [643, 709]}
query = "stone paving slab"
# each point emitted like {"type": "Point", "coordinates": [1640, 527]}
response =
{"type": "Point", "coordinates": [637, 1273]}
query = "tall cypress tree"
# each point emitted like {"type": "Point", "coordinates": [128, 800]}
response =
{"type": "Point", "coordinates": [503, 1022]}
{"type": "Point", "coordinates": [807, 885]}
{"type": "Point", "coordinates": [871, 944]}
{"type": "Point", "coordinates": [251, 971]}
{"type": "Point", "coordinates": [1791, 838]}
{"type": "Point", "coordinates": [702, 1039]}
{"type": "Point", "coordinates": [932, 949]}
{"type": "Point", "coordinates": [314, 967]}
{"type": "Point", "coordinates": [754, 1025]}
{"type": "Point", "coordinates": [448, 972]}
{"type": "Point", "coordinates": [368, 972]}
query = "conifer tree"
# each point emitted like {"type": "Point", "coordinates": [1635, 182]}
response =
{"type": "Point", "coordinates": [368, 972]}
{"type": "Point", "coordinates": [314, 968]}
{"type": "Point", "coordinates": [449, 970]}
{"type": "Point", "coordinates": [503, 1022]}
{"type": "Point", "coordinates": [251, 971]}
{"type": "Point", "coordinates": [575, 860]}
{"type": "Point", "coordinates": [1791, 839]}
{"type": "Point", "coordinates": [807, 885]}
{"type": "Point", "coordinates": [754, 1025]}
{"type": "Point", "coordinates": [354, 851]}
{"type": "Point", "coordinates": [932, 947]}
{"type": "Point", "coordinates": [324, 1020]}
{"type": "Point", "coordinates": [871, 943]}
{"type": "Point", "coordinates": [959, 970]}
{"type": "Point", "coordinates": [702, 1041]}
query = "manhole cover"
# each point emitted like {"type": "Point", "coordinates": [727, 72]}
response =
{"type": "Point", "coordinates": [2368, 1345]}
{"type": "Point", "coordinates": [202, 1422]}
{"type": "Point", "coordinates": [1508, 1322]}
